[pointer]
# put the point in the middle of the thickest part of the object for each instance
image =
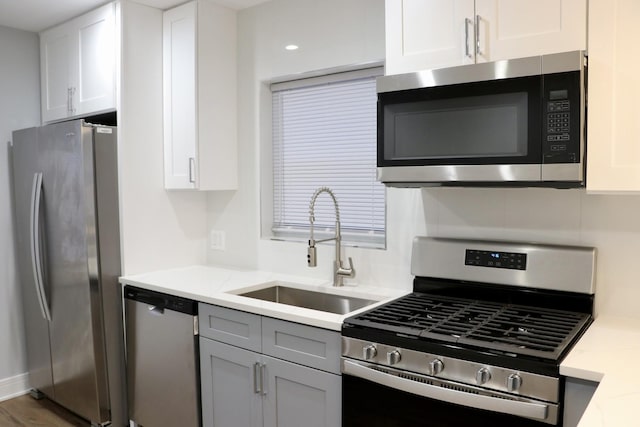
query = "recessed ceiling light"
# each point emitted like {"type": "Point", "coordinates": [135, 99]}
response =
{"type": "Point", "coordinates": [291, 47]}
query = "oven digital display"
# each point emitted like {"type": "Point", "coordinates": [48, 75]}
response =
{"type": "Point", "coordinates": [496, 259]}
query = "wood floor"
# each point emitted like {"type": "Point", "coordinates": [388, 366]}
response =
{"type": "Point", "coordinates": [24, 411]}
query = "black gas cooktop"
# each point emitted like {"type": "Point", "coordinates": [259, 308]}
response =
{"type": "Point", "coordinates": [510, 329]}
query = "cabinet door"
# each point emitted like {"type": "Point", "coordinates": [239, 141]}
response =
{"type": "Point", "coordinates": [519, 28]}
{"type": "Point", "coordinates": [613, 160]}
{"type": "Point", "coordinates": [55, 51]}
{"type": "Point", "coordinates": [229, 386]}
{"type": "Point", "coordinates": [94, 62]}
{"type": "Point", "coordinates": [234, 327]}
{"type": "Point", "coordinates": [423, 34]}
{"type": "Point", "coordinates": [306, 345]}
{"type": "Point", "coordinates": [179, 97]}
{"type": "Point", "coordinates": [300, 396]}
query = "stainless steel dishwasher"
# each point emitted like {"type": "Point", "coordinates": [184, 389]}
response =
{"type": "Point", "coordinates": [162, 359]}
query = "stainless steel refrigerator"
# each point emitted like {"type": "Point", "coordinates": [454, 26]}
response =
{"type": "Point", "coordinates": [65, 185]}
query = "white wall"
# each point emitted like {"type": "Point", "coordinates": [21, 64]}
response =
{"type": "Point", "coordinates": [19, 108]}
{"type": "Point", "coordinates": [330, 33]}
{"type": "Point", "coordinates": [338, 33]}
{"type": "Point", "coordinates": [159, 229]}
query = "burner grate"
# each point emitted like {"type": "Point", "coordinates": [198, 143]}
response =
{"type": "Point", "coordinates": [508, 328]}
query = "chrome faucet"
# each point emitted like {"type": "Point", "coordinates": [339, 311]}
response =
{"type": "Point", "coordinates": [339, 271]}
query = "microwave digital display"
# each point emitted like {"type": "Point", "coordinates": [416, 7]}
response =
{"type": "Point", "coordinates": [558, 94]}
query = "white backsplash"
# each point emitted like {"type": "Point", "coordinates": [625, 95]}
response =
{"type": "Point", "coordinates": [607, 222]}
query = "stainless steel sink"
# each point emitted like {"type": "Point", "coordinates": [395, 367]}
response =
{"type": "Point", "coordinates": [339, 304]}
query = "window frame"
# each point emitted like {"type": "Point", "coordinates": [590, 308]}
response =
{"type": "Point", "coordinates": [301, 234]}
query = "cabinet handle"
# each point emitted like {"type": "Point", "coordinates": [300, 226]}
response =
{"type": "Point", "coordinates": [192, 167]}
{"type": "Point", "coordinates": [263, 379]}
{"type": "Point", "coordinates": [69, 100]}
{"type": "Point", "coordinates": [71, 93]}
{"type": "Point", "coordinates": [478, 50]}
{"type": "Point", "coordinates": [467, 21]}
{"type": "Point", "coordinates": [257, 378]}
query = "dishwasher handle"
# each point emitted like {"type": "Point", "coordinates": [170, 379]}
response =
{"type": "Point", "coordinates": [156, 309]}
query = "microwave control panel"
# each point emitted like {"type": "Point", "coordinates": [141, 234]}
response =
{"type": "Point", "coordinates": [561, 118]}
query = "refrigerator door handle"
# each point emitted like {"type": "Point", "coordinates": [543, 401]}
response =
{"type": "Point", "coordinates": [36, 261]}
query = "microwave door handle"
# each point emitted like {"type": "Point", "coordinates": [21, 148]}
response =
{"type": "Point", "coordinates": [523, 409]}
{"type": "Point", "coordinates": [35, 241]}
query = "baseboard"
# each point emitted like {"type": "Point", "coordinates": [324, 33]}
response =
{"type": "Point", "coordinates": [14, 386]}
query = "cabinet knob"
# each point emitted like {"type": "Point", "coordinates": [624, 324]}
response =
{"type": "Point", "coordinates": [369, 352]}
{"type": "Point", "coordinates": [393, 357]}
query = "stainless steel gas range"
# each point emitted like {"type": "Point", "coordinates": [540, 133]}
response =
{"type": "Point", "coordinates": [478, 342]}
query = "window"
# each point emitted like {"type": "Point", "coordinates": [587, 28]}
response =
{"type": "Point", "coordinates": [324, 135]}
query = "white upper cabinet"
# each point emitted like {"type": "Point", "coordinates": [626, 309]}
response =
{"type": "Point", "coordinates": [424, 34]}
{"type": "Point", "coordinates": [613, 131]}
{"type": "Point", "coordinates": [77, 66]}
{"type": "Point", "coordinates": [199, 96]}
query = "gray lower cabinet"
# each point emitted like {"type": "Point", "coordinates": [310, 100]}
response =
{"type": "Point", "coordinates": [230, 396]}
{"type": "Point", "coordinates": [299, 396]}
{"type": "Point", "coordinates": [263, 372]}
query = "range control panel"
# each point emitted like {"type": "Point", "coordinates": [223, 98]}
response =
{"type": "Point", "coordinates": [496, 259]}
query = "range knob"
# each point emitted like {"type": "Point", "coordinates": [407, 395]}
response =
{"type": "Point", "coordinates": [483, 375]}
{"type": "Point", "coordinates": [436, 366]}
{"type": "Point", "coordinates": [369, 351]}
{"type": "Point", "coordinates": [393, 357]}
{"type": "Point", "coordinates": [514, 381]}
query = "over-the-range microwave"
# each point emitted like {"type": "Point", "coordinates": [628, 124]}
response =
{"type": "Point", "coordinates": [518, 122]}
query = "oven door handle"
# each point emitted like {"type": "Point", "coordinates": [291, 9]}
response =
{"type": "Point", "coordinates": [513, 407]}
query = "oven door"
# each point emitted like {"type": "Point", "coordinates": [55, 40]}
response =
{"type": "Point", "coordinates": [379, 396]}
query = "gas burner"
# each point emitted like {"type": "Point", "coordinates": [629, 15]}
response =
{"type": "Point", "coordinates": [516, 329]}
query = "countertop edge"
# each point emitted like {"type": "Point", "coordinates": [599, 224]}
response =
{"type": "Point", "coordinates": [606, 354]}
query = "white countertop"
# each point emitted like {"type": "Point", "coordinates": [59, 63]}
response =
{"type": "Point", "coordinates": [608, 353]}
{"type": "Point", "coordinates": [219, 285]}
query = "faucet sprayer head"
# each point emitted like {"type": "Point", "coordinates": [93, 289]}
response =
{"type": "Point", "coordinates": [312, 260]}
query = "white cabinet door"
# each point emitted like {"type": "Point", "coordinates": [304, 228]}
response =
{"type": "Point", "coordinates": [199, 96]}
{"type": "Point", "coordinates": [613, 132]}
{"type": "Point", "coordinates": [519, 28]}
{"type": "Point", "coordinates": [423, 34]}
{"type": "Point", "coordinates": [77, 66]}
{"type": "Point", "coordinates": [95, 52]}
{"type": "Point", "coordinates": [54, 76]}
{"type": "Point", "coordinates": [179, 97]}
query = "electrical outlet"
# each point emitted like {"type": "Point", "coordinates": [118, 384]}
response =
{"type": "Point", "coordinates": [217, 240]}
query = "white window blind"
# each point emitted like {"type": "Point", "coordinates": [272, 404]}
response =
{"type": "Point", "coordinates": [324, 135]}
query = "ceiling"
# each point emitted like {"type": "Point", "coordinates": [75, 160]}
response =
{"type": "Point", "coordinates": [37, 15]}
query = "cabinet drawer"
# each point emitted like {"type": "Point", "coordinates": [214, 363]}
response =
{"type": "Point", "coordinates": [230, 326]}
{"type": "Point", "coordinates": [314, 347]}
